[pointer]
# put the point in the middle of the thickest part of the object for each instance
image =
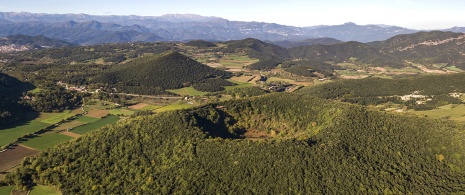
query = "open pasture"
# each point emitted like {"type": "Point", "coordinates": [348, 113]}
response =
{"type": "Point", "coordinates": [45, 141]}
{"type": "Point", "coordinates": [110, 119]}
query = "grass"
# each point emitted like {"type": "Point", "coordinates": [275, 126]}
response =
{"type": "Point", "coordinates": [58, 117]}
{"type": "Point", "coordinates": [6, 190]}
{"type": "Point", "coordinates": [190, 91]}
{"type": "Point", "coordinates": [451, 111]}
{"type": "Point", "coordinates": [35, 90]}
{"type": "Point", "coordinates": [236, 61]}
{"type": "Point", "coordinates": [150, 107]}
{"type": "Point", "coordinates": [175, 106]}
{"type": "Point", "coordinates": [110, 119]}
{"type": "Point", "coordinates": [12, 134]}
{"type": "Point", "coordinates": [44, 190]}
{"type": "Point", "coordinates": [238, 84]}
{"type": "Point", "coordinates": [46, 141]}
{"type": "Point", "coordinates": [122, 111]}
{"type": "Point", "coordinates": [87, 119]}
{"type": "Point", "coordinates": [453, 68]}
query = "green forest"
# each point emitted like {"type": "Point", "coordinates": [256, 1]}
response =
{"type": "Point", "coordinates": [311, 146]}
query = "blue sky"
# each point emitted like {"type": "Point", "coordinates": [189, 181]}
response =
{"type": "Point", "coordinates": [418, 14]}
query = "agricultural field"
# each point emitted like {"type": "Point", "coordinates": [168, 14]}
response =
{"type": "Point", "coordinates": [97, 113]}
{"type": "Point", "coordinates": [45, 141]}
{"type": "Point", "coordinates": [238, 84]}
{"type": "Point", "coordinates": [58, 117]}
{"type": "Point", "coordinates": [86, 119]}
{"type": "Point", "coordinates": [235, 62]}
{"type": "Point", "coordinates": [151, 107]}
{"type": "Point", "coordinates": [44, 190]}
{"type": "Point", "coordinates": [451, 112]}
{"type": "Point", "coordinates": [13, 157]}
{"type": "Point", "coordinates": [110, 119]}
{"type": "Point", "coordinates": [187, 91]}
{"type": "Point", "coordinates": [10, 135]}
{"type": "Point", "coordinates": [6, 190]}
{"type": "Point", "coordinates": [68, 125]}
{"type": "Point", "coordinates": [122, 112]}
{"type": "Point", "coordinates": [175, 106]}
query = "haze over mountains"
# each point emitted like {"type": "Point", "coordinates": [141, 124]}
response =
{"type": "Point", "coordinates": [87, 29]}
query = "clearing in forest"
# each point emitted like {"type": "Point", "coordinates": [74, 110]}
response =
{"type": "Point", "coordinates": [138, 106]}
{"type": "Point", "coordinates": [97, 113]}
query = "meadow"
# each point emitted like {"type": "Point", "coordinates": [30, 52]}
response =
{"type": "Point", "coordinates": [110, 119]}
{"type": "Point", "coordinates": [45, 141]}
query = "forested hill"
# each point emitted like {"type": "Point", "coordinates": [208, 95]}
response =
{"type": "Point", "coordinates": [11, 91]}
{"type": "Point", "coordinates": [256, 49]}
{"type": "Point", "coordinates": [38, 41]}
{"type": "Point", "coordinates": [367, 91]}
{"type": "Point", "coordinates": [306, 146]}
{"type": "Point", "coordinates": [154, 73]}
{"type": "Point", "coordinates": [427, 48]}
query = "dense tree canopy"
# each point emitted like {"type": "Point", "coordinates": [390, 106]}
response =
{"type": "Point", "coordinates": [308, 146]}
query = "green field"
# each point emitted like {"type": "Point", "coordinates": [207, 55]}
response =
{"type": "Point", "coordinates": [43, 142]}
{"type": "Point", "coordinates": [238, 84]}
{"type": "Point", "coordinates": [11, 134]}
{"type": "Point", "coordinates": [44, 190]}
{"type": "Point", "coordinates": [190, 91]}
{"type": "Point", "coordinates": [110, 119]}
{"type": "Point", "coordinates": [122, 111]}
{"type": "Point", "coordinates": [453, 68]}
{"type": "Point", "coordinates": [6, 190]}
{"type": "Point", "coordinates": [236, 61]}
{"type": "Point", "coordinates": [56, 118]}
{"type": "Point", "coordinates": [87, 119]}
{"type": "Point", "coordinates": [150, 107]}
{"type": "Point", "coordinates": [452, 112]}
{"type": "Point", "coordinates": [175, 106]}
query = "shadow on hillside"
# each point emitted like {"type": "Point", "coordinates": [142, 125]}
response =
{"type": "Point", "coordinates": [219, 128]}
{"type": "Point", "coordinates": [24, 119]}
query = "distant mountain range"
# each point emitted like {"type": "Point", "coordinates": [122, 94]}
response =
{"type": "Point", "coordinates": [87, 29]}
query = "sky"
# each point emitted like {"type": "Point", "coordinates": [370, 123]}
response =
{"type": "Point", "coordinates": [415, 14]}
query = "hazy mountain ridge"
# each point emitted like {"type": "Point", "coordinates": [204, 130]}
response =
{"type": "Point", "coordinates": [182, 27]}
{"type": "Point", "coordinates": [427, 48]}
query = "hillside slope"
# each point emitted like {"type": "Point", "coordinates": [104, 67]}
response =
{"type": "Point", "coordinates": [152, 74]}
{"type": "Point", "coordinates": [307, 146]}
{"type": "Point", "coordinates": [11, 91]}
{"type": "Point", "coordinates": [427, 48]}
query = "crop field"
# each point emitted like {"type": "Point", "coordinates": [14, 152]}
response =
{"type": "Point", "coordinates": [44, 190]}
{"type": "Point", "coordinates": [175, 106]}
{"type": "Point", "coordinates": [236, 61]}
{"type": "Point", "coordinates": [97, 113]}
{"type": "Point", "coordinates": [57, 117]}
{"type": "Point", "coordinates": [10, 135]}
{"type": "Point", "coordinates": [138, 106]}
{"type": "Point", "coordinates": [86, 119]}
{"type": "Point", "coordinates": [150, 107]}
{"type": "Point", "coordinates": [122, 111]}
{"type": "Point", "coordinates": [451, 112]}
{"type": "Point", "coordinates": [14, 156]}
{"type": "Point", "coordinates": [243, 78]}
{"type": "Point", "coordinates": [110, 119]}
{"type": "Point", "coordinates": [68, 125]}
{"type": "Point", "coordinates": [45, 141]}
{"type": "Point", "coordinates": [304, 83]}
{"type": "Point", "coordinates": [238, 84]}
{"type": "Point", "coordinates": [6, 190]}
{"type": "Point", "coordinates": [190, 91]}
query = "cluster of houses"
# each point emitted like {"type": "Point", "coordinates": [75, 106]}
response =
{"type": "Point", "coordinates": [13, 48]}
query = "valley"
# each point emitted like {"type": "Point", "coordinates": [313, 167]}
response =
{"type": "Point", "coordinates": [212, 117]}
